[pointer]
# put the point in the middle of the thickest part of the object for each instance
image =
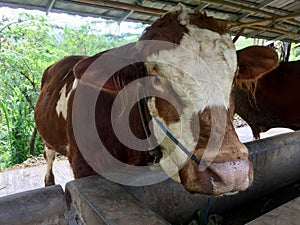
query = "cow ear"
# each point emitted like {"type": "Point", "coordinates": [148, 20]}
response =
{"type": "Point", "coordinates": [89, 71]}
{"type": "Point", "coordinates": [255, 61]}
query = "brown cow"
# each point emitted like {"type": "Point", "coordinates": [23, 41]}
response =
{"type": "Point", "coordinates": [270, 100]}
{"type": "Point", "coordinates": [57, 80]}
{"type": "Point", "coordinates": [194, 67]}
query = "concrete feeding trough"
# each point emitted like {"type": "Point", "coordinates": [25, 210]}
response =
{"type": "Point", "coordinates": [42, 206]}
{"type": "Point", "coordinates": [276, 162]}
{"type": "Point", "coordinates": [95, 200]}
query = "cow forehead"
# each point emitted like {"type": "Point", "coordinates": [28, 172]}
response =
{"type": "Point", "coordinates": [201, 68]}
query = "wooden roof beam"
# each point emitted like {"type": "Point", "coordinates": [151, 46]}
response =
{"type": "Point", "coordinates": [238, 7]}
{"type": "Point", "coordinates": [246, 9]}
{"type": "Point", "coordinates": [260, 29]}
{"type": "Point", "coordinates": [201, 6]}
{"type": "Point", "coordinates": [120, 5]}
{"type": "Point", "coordinates": [271, 20]}
{"type": "Point", "coordinates": [50, 6]}
{"type": "Point", "coordinates": [124, 16]}
{"type": "Point", "coordinates": [241, 31]}
{"type": "Point", "coordinates": [273, 30]}
{"type": "Point", "coordinates": [260, 6]}
{"type": "Point", "coordinates": [279, 31]}
{"type": "Point", "coordinates": [284, 36]}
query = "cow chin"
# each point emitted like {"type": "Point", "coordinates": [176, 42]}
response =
{"type": "Point", "coordinates": [219, 178]}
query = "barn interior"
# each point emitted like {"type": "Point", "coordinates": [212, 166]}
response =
{"type": "Point", "coordinates": [273, 20]}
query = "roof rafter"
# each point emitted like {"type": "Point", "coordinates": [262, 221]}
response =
{"type": "Point", "coordinates": [246, 9]}
{"type": "Point", "coordinates": [120, 5]}
{"type": "Point", "coordinates": [271, 20]}
{"type": "Point", "coordinates": [50, 6]}
{"type": "Point", "coordinates": [260, 6]}
{"type": "Point", "coordinates": [125, 16]}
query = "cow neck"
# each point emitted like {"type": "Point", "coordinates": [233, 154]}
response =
{"type": "Point", "coordinates": [154, 149]}
{"type": "Point", "coordinates": [165, 130]}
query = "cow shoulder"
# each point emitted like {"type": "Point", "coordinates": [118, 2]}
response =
{"type": "Point", "coordinates": [110, 70]}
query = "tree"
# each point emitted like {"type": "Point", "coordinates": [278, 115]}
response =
{"type": "Point", "coordinates": [28, 45]}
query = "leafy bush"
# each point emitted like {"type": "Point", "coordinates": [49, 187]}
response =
{"type": "Point", "coordinates": [28, 45]}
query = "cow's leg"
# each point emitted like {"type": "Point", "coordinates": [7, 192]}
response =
{"type": "Point", "coordinates": [79, 165]}
{"type": "Point", "coordinates": [49, 156]}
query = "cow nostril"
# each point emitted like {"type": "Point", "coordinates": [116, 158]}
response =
{"type": "Point", "coordinates": [214, 177]}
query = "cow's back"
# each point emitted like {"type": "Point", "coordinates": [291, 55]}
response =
{"type": "Point", "coordinates": [50, 110]}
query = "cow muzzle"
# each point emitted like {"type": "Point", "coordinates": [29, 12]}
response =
{"type": "Point", "coordinates": [219, 178]}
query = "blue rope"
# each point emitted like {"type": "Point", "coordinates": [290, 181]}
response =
{"type": "Point", "coordinates": [192, 156]}
{"type": "Point", "coordinates": [207, 210]}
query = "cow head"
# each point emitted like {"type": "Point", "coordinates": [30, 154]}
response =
{"type": "Point", "coordinates": [253, 63]}
{"type": "Point", "coordinates": [192, 79]}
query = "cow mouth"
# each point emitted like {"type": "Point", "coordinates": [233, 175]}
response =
{"type": "Point", "coordinates": [225, 178]}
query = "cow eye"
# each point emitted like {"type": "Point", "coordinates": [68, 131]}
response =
{"type": "Point", "coordinates": [156, 80]}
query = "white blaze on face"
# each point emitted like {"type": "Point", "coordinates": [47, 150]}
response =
{"type": "Point", "coordinates": [201, 71]}
{"type": "Point", "coordinates": [62, 103]}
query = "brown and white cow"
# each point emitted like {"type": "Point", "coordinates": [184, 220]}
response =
{"type": "Point", "coordinates": [270, 100]}
{"type": "Point", "coordinates": [196, 72]}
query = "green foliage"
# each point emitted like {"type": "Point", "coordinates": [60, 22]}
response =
{"type": "Point", "coordinates": [243, 42]}
{"type": "Point", "coordinates": [18, 128]}
{"type": "Point", "coordinates": [89, 40]}
{"type": "Point", "coordinates": [28, 45]}
{"type": "Point", "coordinates": [295, 52]}
{"type": "Point", "coordinates": [24, 55]}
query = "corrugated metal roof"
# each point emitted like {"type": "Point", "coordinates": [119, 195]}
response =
{"type": "Point", "coordinates": [268, 19]}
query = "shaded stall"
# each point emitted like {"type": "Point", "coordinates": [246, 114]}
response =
{"type": "Point", "coordinates": [276, 160]}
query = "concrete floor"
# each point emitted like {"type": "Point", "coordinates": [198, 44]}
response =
{"type": "Point", "coordinates": [20, 180]}
{"type": "Point", "coordinates": [245, 133]}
